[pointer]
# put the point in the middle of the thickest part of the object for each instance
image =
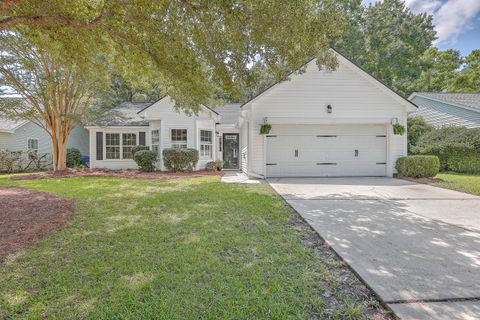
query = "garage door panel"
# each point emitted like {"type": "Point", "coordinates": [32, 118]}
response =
{"type": "Point", "coordinates": [324, 155]}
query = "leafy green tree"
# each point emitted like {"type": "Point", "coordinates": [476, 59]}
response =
{"type": "Point", "coordinates": [56, 92]}
{"type": "Point", "coordinates": [416, 128]}
{"type": "Point", "coordinates": [468, 79]}
{"type": "Point", "coordinates": [192, 48]}
{"type": "Point", "coordinates": [387, 39]}
{"type": "Point", "coordinates": [439, 70]}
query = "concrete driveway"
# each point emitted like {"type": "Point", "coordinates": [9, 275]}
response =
{"type": "Point", "coordinates": [417, 246]}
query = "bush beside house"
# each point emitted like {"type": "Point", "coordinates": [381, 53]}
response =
{"type": "Point", "coordinates": [458, 148]}
{"type": "Point", "coordinates": [418, 166]}
{"type": "Point", "coordinates": [145, 160]}
{"type": "Point", "coordinates": [180, 159]}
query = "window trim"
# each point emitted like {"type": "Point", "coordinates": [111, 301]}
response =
{"type": "Point", "coordinates": [152, 145]}
{"type": "Point", "coordinates": [200, 143]}
{"type": "Point", "coordinates": [121, 144]}
{"type": "Point", "coordinates": [28, 144]}
{"type": "Point", "coordinates": [186, 134]}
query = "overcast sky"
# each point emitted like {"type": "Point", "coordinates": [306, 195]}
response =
{"type": "Point", "coordinates": [457, 22]}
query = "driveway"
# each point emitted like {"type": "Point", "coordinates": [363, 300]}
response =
{"type": "Point", "coordinates": [416, 246]}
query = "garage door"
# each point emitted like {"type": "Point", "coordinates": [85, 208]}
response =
{"type": "Point", "coordinates": [328, 154]}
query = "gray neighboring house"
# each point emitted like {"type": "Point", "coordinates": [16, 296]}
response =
{"type": "Point", "coordinates": [448, 109]}
{"type": "Point", "coordinates": [26, 135]}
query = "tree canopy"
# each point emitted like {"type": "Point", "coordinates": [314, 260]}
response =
{"type": "Point", "coordinates": [192, 48]}
{"type": "Point", "coordinates": [387, 39]}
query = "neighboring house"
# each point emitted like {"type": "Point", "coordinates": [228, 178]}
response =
{"type": "Point", "coordinates": [323, 124]}
{"type": "Point", "coordinates": [448, 109]}
{"type": "Point", "coordinates": [25, 135]}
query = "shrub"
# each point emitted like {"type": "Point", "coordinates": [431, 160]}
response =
{"type": "Point", "coordinates": [211, 166]}
{"type": "Point", "coordinates": [145, 159]}
{"type": "Point", "coordinates": [11, 161]}
{"type": "Point", "coordinates": [219, 164]}
{"type": "Point", "coordinates": [180, 159]}
{"type": "Point", "coordinates": [74, 158]}
{"type": "Point", "coordinates": [418, 166]}
{"type": "Point", "coordinates": [458, 148]}
{"type": "Point", "coordinates": [416, 127]}
{"type": "Point", "coordinates": [139, 148]}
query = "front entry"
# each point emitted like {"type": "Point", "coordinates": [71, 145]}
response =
{"type": "Point", "coordinates": [231, 151]}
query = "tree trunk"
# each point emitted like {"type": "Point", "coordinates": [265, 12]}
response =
{"type": "Point", "coordinates": [59, 154]}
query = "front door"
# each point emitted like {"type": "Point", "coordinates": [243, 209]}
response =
{"type": "Point", "coordinates": [230, 151]}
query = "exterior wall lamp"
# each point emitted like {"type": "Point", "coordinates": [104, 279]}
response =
{"type": "Point", "coordinates": [329, 108]}
{"type": "Point", "coordinates": [394, 121]}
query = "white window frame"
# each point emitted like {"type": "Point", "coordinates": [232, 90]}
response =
{"type": "Point", "coordinates": [123, 146]}
{"type": "Point", "coordinates": [28, 144]}
{"type": "Point", "coordinates": [179, 144]}
{"type": "Point", "coordinates": [155, 145]}
{"type": "Point", "coordinates": [119, 145]}
{"type": "Point", "coordinates": [204, 144]}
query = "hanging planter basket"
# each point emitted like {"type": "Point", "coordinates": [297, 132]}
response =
{"type": "Point", "coordinates": [398, 129]}
{"type": "Point", "coordinates": [265, 128]}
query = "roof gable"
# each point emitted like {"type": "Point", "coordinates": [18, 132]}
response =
{"type": "Point", "coordinates": [357, 69]}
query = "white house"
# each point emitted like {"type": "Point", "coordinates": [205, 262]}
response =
{"type": "Point", "coordinates": [448, 109]}
{"type": "Point", "coordinates": [324, 123]}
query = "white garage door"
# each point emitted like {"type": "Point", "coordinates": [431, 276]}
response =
{"type": "Point", "coordinates": [337, 151]}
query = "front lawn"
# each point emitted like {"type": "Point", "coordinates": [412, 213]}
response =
{"type": "Point", "coordinates": [462, 182]}
{"type": "Point", "coordinates": [177, 249]}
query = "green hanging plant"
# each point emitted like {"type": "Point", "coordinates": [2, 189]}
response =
{"type": "Point", "coordinates": [398, 129]}
{"type": "Point", "coordinates": [265, 128]}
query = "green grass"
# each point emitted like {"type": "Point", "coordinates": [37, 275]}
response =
{"type": "Point", "coordinates": [169, 249]}
{"type": "Point", "coordinates": [462, 182]}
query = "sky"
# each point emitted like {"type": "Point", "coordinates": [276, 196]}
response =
{"type": "Point", "coordinates": [457, 22]}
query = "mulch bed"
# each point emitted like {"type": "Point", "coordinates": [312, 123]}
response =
{"type": "Point", "coordinates": [130, 173]}
{"type": "Point", "coordinates": [26, 216]}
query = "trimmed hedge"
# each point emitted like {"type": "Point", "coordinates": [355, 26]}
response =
{"type": "Point", "coordinates": [418, 166]}
{"type": "Point", "coordinates": [458, 148]}
{"type": "Point", "coordinates": [180, 159]}
{"type": "Point", "coordinates": [145, 159]}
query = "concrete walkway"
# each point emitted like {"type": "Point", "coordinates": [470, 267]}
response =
{"type": "Point", "coordinates": [416, 246]}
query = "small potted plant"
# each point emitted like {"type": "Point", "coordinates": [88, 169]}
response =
{"type": "Point", "coordinates": [398, 129]}
{"type": "Point", "coordinates": [265, 127]}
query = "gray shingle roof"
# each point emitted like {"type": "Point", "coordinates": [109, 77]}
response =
{"type": "Point", "coordinates": [228, 113]}
{"type": "Point", "coordinates": [471, 100]}
{"type": "Point", "coordinates": [125, 114]}
{"type": "Point", "coordinates": [10, 125]}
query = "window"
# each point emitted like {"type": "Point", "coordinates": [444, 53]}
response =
{"type": "Point", "coordinates": [32, 144]}
{"type": "Point", "coordinates": [32, 147]}
{"type": "Point", "coordinates": [112, 145]}
{"type": "Point", "coordinates": [156, 141]}
{"type": "Point", "coordinates": [206, 143]}
{"type": "Point", "coordinates": [129, 140]}
{"type": "Point", "coordinates": [179, 138]}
